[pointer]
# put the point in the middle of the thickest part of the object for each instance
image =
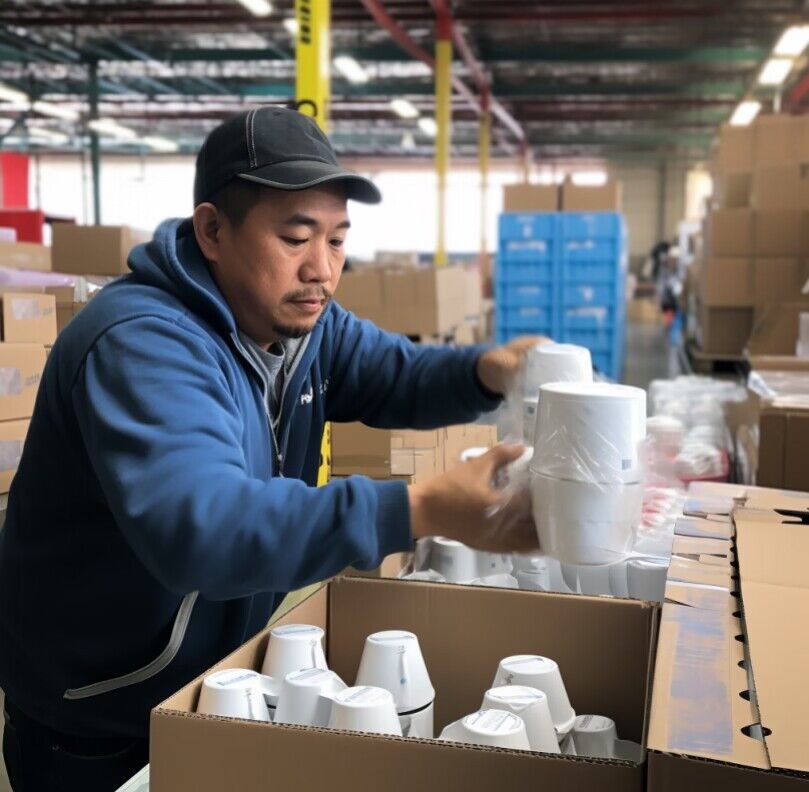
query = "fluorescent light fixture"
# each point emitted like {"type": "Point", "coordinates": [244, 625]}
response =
{"type": "Point", "coordinates": [260, 8]}
{"type": "Point", "coordinates": [428, 126]}
{"type": "Point", "coordinates": [160, 143]}
{"type": "Point", "coordinates": [550, 177]}
{"type": "Point", "coordinates": [745, 113]}
{"type": "Point", "coordinates": [589, 178]}
{"type": "Point", "coordinates": [9, 94]}
{"type": "Point", "coordinates": [58, 138]}
{"type": "Point", "coordinates": [404, 109]}
{"type": "Point", "coordinates": [775, 71]}
{"type": "Point", "coordinates": [291, 24]}
{"type": "Point", "coordinates": [56, 111]}
{"type": "Point", "coordinates": [793, 41]}
{"type": "Point", "coordinates": [350, 69]}
{"type": "Point", "coordinates": [106, 126]}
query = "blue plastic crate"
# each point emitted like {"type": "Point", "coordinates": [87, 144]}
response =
{"type": "Point", "coordinates": [608, 365]}
{"type": "Point", "coordinates": [591, 225]}
{"type": "Point", "coordinates": [590, 317]}
{"type": "Point", "coordinates": [527, 249]}
{"type": "Point", "coordinates": [584, 294]}
{"type": "Point", "coordinates": [509, 270]}
{"type": "Point", "coordinates": [521, 294]}
{"type": "Point", "coordinates": [527, 225]}
{"type": "Point", "coordinates": [595, 340]}
{"type": "Point", "coordinates": [530, 317]}
{"type": "Point", "coordinates": [598, 250]}
{"type": "Point", "coordinates": [591, 272]}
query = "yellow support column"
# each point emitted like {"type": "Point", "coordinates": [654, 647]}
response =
{"type": "Point", "coordinates": [443, 118]}
{"type": "Point", "coordinates": [313, 59]}
{"type": "Point", "coordinates": [484, 153]}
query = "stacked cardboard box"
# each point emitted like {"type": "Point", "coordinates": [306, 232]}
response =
{"type": "Point", "coordinates": [29, 323]}
{"type": "Point", "coordinates": [755, 238]}
{"type": "Point", "coordinates": [94, 250]}
{"type": "Point", "coordinates": [567, 198]}
{"type": "Point", "coordinates": [25, 255]}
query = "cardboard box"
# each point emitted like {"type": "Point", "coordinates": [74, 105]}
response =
{"type": "Point", "coordinates": [727, 282]}
{"type": "Point", "coordinates": [473, 291]}
{"type": "Point", "coordinates": [776, 141]}
{"type": "Point", "coordinates": [25, 255]}
{"type": "Point", "coordinates": [728, 233]}
{"type": "Point", "coordinates": [607, 198]}
{"type": "Point", "coordinates": [783, 441]}
{"type": "Point", "coordinates": [21, 367]}
{"type": "Point", "coordinates": [94, 250]}
{"type": "Point", "coordinates": [780, 234]}
{"type": "Point", "coordinates": [777, 280]}
{"type": "Point", "coordinates": [782, 188]}
{"type": "Point", "coordinates": [776, 331]}
{"type": "Point", "coordinates": [644, 310]}
{"type": "Point", "coordinates": [701, 707]}
{"type": "Point", "coordinates": [28, 317]}
{"type": "Point", "coordinates": [463, 632]}
{"type": "Point", "coordinates": [462, 436]}
{"type": "Point", "coordinates": [732, 190]}
{"type": "Point", "coordinates": [735, 151]}
{"type": "Point", "coordinates": [417, 302]}
{"type": "Point", "coordinates": [724, 331]}
{"type": "Point", "coordinates": [530, 198]}
{"type": "Point", "coordinates": [12, 439]}
{"type": "Point", "coordinates": [390, 567]}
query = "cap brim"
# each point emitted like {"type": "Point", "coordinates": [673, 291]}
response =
{"type": "Point", "coordinates": [304, 174]}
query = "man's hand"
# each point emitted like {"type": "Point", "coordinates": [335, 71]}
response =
{"type": "Point", "coordinates": [498, 368]}
{"type": "Point", "coordinates": [458, 505]}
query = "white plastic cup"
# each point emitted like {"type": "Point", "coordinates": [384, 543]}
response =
{"type": "Point", "coordinates": [306, 696]}
{"type": "Point", "coordinates": [497, 581]}
{"type": "Point", "coordinates": [532, 706]}
{"type": "Point", "coordinates": [495, 728]}
{"type": "Point", "coordinates": [556, 578]}
{"type": "Point", "coordinates": [595, 736]}
{"type": "Point", "coordinates": [570, 575]}
{"type": "Point", "coordinates": [533, 581]}
{"type": "Point", "coordinates": [543, 674]}
{"type": "Point", "coordinates": [591, 432]}
{"type": "Point", "coordinates": [493, 564]}
{"type": "Point", "coordinates": [293, 647]}
{"type": "Point", "coordinates": [665, 435]}
{"type": "Point", "coordinates": [392, 660]}
{"type": "Point", "coordinates": [586, 523]}
{"type": "Point", "coordinates": [366, 709]}
{"type": "Point", "coordinates": [557, 363]}
{"type": "Point", "coordinates": [530, 407]}
{"type": "Point", "coordinates": [235, 693]}
{"type": "Point", "coordinates": [420, 723]}
{"type": "Point", "coordinates": [646, 578]}
{"type": "Point", "coordinates": [618, 582]}
{"type": "Point", "coordinates": [594, 580]}
{"type": "Point", "coordinates": [453, 560]}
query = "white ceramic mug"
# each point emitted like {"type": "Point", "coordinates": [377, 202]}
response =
{"type": "Point", "coordinates": [365, 708]}
{"type": "Point", "coordinates": [306, 697]}
{"type": "Point", "coordinates": [293, 647]}
{"type": "Point", "coordinates": [646, 578]}
{"type": "Point", "coordinates": [595, 736]}
{"type": "Point", "coordinates": [532, 706]}
{"type": "Point", "coordinates": [235, 693]}
{"type": "Point", "coordinates": [543, 674]}
{"type": "Point", "coordinates": [495, 728]}
{"type": "Point", "coordinates": [453, 560]}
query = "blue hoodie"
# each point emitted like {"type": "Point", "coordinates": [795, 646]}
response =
{"type": "Point", "coordinates": [153, 526]}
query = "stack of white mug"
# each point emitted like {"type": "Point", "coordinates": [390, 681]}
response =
{"type": "Point", "coordinates": [527, 707]}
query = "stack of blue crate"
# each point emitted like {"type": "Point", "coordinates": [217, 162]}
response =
{"type": "Point", "coordinates": [563, 274]}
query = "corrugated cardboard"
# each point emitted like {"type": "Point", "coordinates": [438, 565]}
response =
{"type": "Point", "coordinates": [21, 367]}
{"type": "Point", "coordinates": [29, 317]}
{"type": "Point", "coordinates": [782, 188]}
{"type": "Point", "coordinates": [735, 151]}
{"type": "Point", "coordinates": [783, 444]}
{"type": "Point", "coordinates": [727, 282]}
{"type": "Point", "coordinates": [94, 250]}
{"type": "Point", "coordinates": [463, 632]}
{"type": "Point", "coordinates": [776, 330]}
{"type": "Point", "coordinates": [780, 233]}
{"type": "Point", "coordinates": [701, 703]}
{"type": "Point", "coordinates": [776, 140]}
{"type": "Point", "coordinates": [728, 233]}
{"type": "Point", "coordinates": [473, 291]}
{"type": "Point", "coordinates": [732, 190]}
{"type": "Point", "coordinates": [776, 281]}
{"type": "Point", "coordinates": [606, 198]}
{"type": "Point", "coordinates": [390, 567]}
{"type": "Point", "coordinates": [25, 255]}
{"type": "Point", "coordinates": [531, 198]}
{"type": "Point", "coordinates": [12, 439]}
{"type": "Point", "coordinates": [724, 331]}
{"type": "Point", "coordinates": [458, 438]}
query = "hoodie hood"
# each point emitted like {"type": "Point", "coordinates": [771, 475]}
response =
{"type": "Point", "coordinates": [172, 261]}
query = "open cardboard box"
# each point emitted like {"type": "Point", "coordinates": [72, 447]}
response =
{"type": "Point", "coordinates": [604, 647]}
{"type": "Point", "coordinates": [712, 632]}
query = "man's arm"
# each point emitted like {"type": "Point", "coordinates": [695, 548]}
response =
{"type": "Point", "coordinates": [386, 381]}
{"type": "Point", "coordinates": [165, 439]}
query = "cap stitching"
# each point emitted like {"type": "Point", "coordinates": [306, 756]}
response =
{"type": "Point", "coordinates": [251, 139]}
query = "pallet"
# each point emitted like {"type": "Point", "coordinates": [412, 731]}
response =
{"type": "Point", "coordinates": [711, 363]}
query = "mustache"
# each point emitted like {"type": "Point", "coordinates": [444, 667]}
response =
{"type": "Point", "coordinates": [320, 293]}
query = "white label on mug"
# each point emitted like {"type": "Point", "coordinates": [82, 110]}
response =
{"type": "Point", "coordinates": [227, 678]}
{"type": "Point", "coordinates": [494, 721]}
{"type": "Point", "coordinates": [393, 637]}
{"type": "Point", "coordinates": [536, 663]}
{"type": "Point", "coordinates": [295, 628]}
{"type": "Point", "coordinates": [517, 695]}
{"type": "Point", "coordinates": [365, 695]}
{"type": "Point", "coordinates": [593, 723]}
{"type": "Point", "coordinates": [309, 674]}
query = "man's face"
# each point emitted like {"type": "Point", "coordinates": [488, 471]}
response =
{"type": "Point", "coordinates": [279, 268]}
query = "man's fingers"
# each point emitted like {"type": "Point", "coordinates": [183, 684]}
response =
{"type": "Point", "coordinates": [501, 455]}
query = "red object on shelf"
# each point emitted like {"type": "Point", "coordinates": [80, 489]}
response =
{"type": "Point", "coordinates": [14, 181]}
{"type": "Point", "coordinates": [28, 222]}
{"type": "Point", "coordinates": [721, 479]}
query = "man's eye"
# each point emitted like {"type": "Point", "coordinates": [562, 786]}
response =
{"type": "Point", "coordinates": [294, 241]}
{"type": "Point", "coordinates": [338, 243]}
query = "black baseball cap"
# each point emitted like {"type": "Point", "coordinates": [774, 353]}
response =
{"type": "Point", "coordinates": [276, 146]}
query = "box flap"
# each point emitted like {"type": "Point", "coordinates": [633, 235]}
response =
{"type": "Point", "coordinates": [706, 527]}
{"type": "Point", "coordinates": [689, 570]}
{"type": "Point", "coordinates": [698, 546]}
{"type": "Point", "coordinates": [775, 592]}
{"type": "Point", "coordinates": [697, 595]}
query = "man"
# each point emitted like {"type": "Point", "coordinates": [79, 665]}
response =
{"type": "Point", "coordinates": [164, 503]}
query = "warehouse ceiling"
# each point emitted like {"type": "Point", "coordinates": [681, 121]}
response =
{"type": "Point", "coordinates": [594, 79]}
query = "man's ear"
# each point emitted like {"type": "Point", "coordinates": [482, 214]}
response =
{"type": "Point", "coordinates": [207, 229]}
